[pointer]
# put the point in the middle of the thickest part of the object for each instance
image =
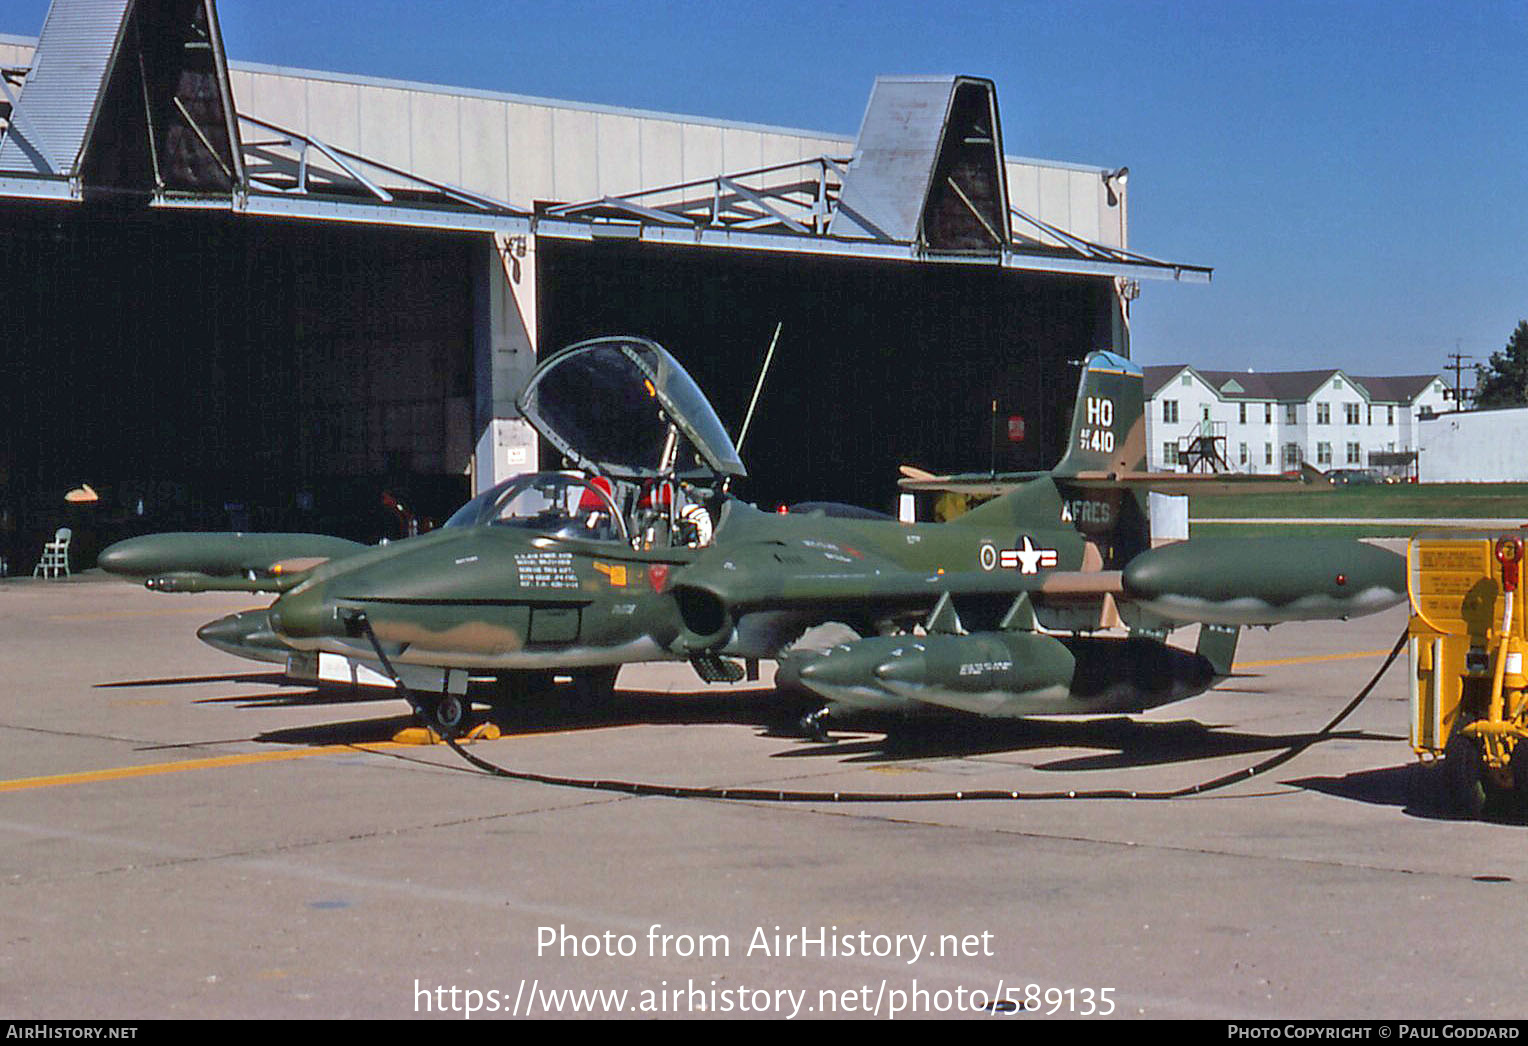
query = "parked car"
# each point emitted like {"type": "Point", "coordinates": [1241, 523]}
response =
{"type": "Point", "coordinates": [1352, 477]}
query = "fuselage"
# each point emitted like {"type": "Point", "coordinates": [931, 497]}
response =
{"type": "Point", "coordinates": [489, 598]}
{"type": "Point", "coordinates": [496, 597]}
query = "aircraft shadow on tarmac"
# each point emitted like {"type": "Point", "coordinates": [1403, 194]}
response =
{"type": "Point", "coordinates": [1128, 742]}
{"type": "Point", "coordinates": [272, 678]}
{"type": "Point", "coordinates": [1413, 788]}
{"type": "Point", "coordinates": [772, 712]}
{"type": "Point", "coordinates": [1124, 742]}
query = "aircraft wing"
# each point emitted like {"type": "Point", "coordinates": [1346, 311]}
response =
{"type": "Point", "coordinates": [712, 595]}
{"type": "Point", "coordinates": [223, 562]}
{"type": "Point", "coordinates": [1190, 482]}
{"type": "Point", "coordinates": [899, 589]}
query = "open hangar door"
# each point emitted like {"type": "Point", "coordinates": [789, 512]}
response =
{"type": "Point", "coordinates": [228, 372]}
{"type": "Point", "coordinates": [879, 363]}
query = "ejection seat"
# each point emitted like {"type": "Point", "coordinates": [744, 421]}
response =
{"type": "Point", "coordinates": [55, 555]}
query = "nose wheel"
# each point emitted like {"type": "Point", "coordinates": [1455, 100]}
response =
{"type": "Point", "coordinates": [446, 712]}
{"type": "Point", "coordinates": [449, 714]}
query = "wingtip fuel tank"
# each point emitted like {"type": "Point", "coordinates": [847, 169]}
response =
{"type": "Point", "coordinates": [1230, 581]}
{"type": "Point", "coordinates": [227, 562]}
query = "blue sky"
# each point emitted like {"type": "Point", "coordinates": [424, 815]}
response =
{"type": "Point", "coordinates": [1355, 171]}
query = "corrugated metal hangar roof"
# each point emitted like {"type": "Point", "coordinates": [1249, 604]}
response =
{"type": "Point", "coordinates": [153, 74]}
{"type": "Point", "coordinates": [48, 135]}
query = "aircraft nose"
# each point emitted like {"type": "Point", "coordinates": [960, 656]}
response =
{"type": "Point", "coordinates": [224, 632]}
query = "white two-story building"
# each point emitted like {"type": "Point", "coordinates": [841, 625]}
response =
{"type": "Point", "coordinates": [1266, 423]}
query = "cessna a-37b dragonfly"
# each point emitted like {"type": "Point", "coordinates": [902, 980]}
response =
{"type": "Point", "coordinates": [642, 555]}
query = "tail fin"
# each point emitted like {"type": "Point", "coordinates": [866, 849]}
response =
{"type": "Point", "coordinates": [1108, 422]}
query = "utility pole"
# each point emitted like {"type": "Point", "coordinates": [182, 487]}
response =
{"type": "Point", "coordinates": [1457, 366]}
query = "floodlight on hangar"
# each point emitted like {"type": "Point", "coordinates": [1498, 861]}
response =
{"type": "Point", "coordinates": [926, 182]}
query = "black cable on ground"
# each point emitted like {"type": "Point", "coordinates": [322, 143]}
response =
{"type": "Point", "coordinates": [777, 795]}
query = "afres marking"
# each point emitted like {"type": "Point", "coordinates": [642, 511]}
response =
{"type": "Point", "coordinates": [1081, 510]}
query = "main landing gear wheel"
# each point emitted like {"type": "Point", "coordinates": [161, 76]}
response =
{"type": "Point", "coordinates": [1464, 776]}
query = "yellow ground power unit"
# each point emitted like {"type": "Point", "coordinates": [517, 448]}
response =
{"type": "Point", "coordinates": [1467, 637]}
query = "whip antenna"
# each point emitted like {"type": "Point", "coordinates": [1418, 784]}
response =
{"type": "Point", "coordinates": [757, 388]}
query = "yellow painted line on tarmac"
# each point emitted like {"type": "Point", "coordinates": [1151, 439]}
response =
{"type": "Point", "coordinates": [121, 773]}
{"type": "Point", "coordinates": [1309, 660]}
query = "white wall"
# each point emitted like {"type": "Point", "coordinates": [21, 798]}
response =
{"type": "Point", "coordinates": [1337, 394]}
{"type": "Point", "coordinates": [1486, 446]}
{"type": "Point", "coordinates": [1431, 400]}
{"type": "Point", "coordinates": [526, 149]}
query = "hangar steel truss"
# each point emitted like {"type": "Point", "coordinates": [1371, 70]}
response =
{"type": "Point", "coordinates": [800, 200]}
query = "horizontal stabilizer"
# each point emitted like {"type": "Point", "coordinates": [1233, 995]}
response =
{"type": "Point", "coordinates": [994, 484]}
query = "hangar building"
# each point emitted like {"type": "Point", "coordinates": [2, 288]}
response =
{"type": "Point", "coordinates": [245, 295]}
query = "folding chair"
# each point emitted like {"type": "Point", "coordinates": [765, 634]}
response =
{"type": "Point", "coordinates": [55, 555]}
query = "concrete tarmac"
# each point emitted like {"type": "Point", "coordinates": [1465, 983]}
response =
{"type": "Point", "coordinates": [182, 836]}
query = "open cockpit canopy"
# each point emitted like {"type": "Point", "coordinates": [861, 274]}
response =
{"type": "Point", "coordinates": [607, 405]}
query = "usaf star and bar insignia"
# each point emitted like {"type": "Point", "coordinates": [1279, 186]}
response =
{"type": "Point", "coordinates": [1026, 560]}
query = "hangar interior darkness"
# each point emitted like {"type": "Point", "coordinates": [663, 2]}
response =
{"type": "Point", "coordinates": [197, 360]}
